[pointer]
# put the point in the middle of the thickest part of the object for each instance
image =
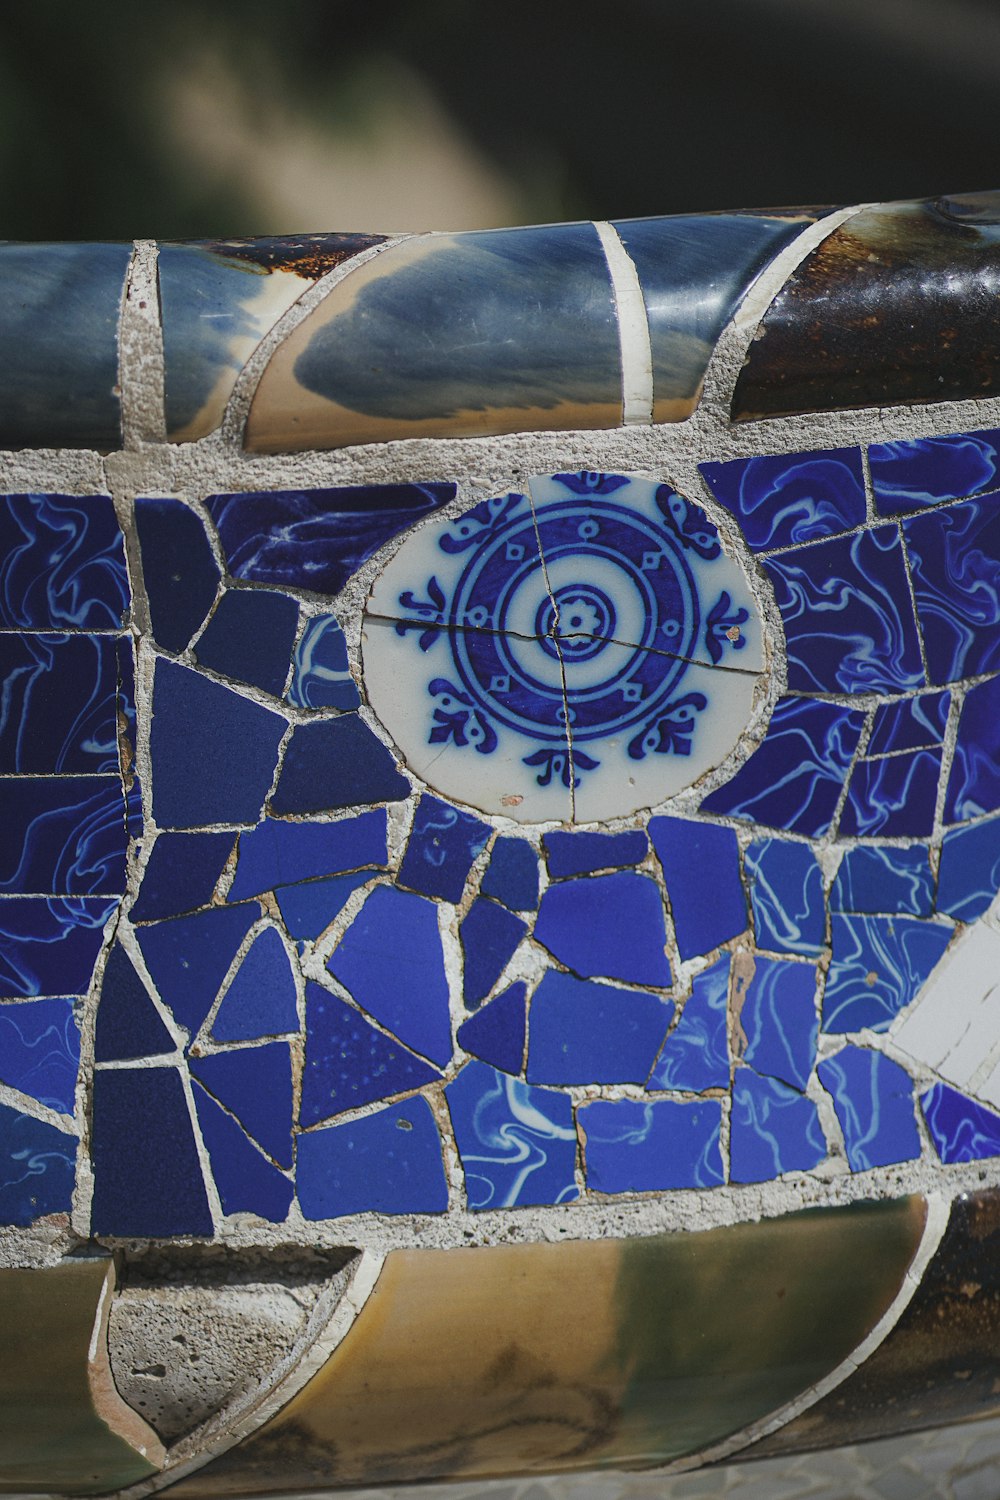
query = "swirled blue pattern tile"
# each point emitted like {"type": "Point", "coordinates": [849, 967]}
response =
{"type": "Point", "coordinates": [909, 724]}
{"type": "Point", "coordinates": [320, 675]}
{"type": "Point", "coordinates": [878, 965]}
{"type": "Point", "coordinates": [701, 864]}
{"type": "Point", "coordinates": [773, 1130]}
{"type": "Point", "coordinates": [517, 1144]}
{"type": "Point", "coordinates": [188, 958]}
{"type": "Point", "coordinates": [49, 945]}
{"type": "Point", "coordinates": [496, 1033]}
{"type": "Point", "coordinates": [583, 1032]}
{"type": "Point", "coordinates": [37, 1168]}
{"type": "Point", "coordinates": [261, 999]}
{"type": "Point", "coordinates": [924, 471]}
{"type": "Point", "coordinates": [845, 605]}
{"type": "Point", "coordinates": [786, 896]}
{"type": "Point", "coordinates": [40, 1051]}
{"type": "Point", "coordinates": [512, 874]}
{"type": "Point", "coordinates": [873, 1098]}
{"type": "Point", "coordinates": [128, 1024]}
{"type": "Point", "coordinates": [894, 797]}
{"type": "Point", "coordinates": [334, 764]}
{"type": "Point", "coordinates": [62, 563]}
{"type": "Point", "coordinates": [891, 881]}
{"type": "Point", "coordinates": [276, 853]}
{"type": "Point", "coordinates": [179, 572]}
{"type": "Point", "coordinates": [489, 934]}
{"type": "Point", "coordinates": [636, 1147]}
{"type": "Point", "coordinates": [62, 836]}
{"type": "Point", "coordinates": [250, 637]}
{"type": "Point", "coordinates": [585, 853]}
{"type": "Point", "coordinates": [779, 1021]}
{"type": "Point", "coordinates": [798, 497]}
{"type": "Point", "coordinates": [955, 563]}
{"type": "Point", "coordinates": [969, 872]}
{"type": "Point", "coordinates": [961, 1129]}
{"type": "Point", "coordinates": [389, 1162]}
{"type": "Point", "coordinates": [57, 704]}
{"type": "Point", "coordinates": [444, 844]}
{"type": "Point", "coordinates": [610, 925]}
{"type": "Point", "coordinates": [181, 874]}
{"type": "Point", "coordinates": [695, 1055]}
{"type": "Point", "coordinates": [247, 1182]}
{"type": "Point", "coordinates": [255, 1085]}
{"type": "Point", "coordinates": [974, 783]}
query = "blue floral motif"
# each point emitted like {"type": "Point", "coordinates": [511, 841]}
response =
{"type": "Point", "coordinates": [688, 523]}
{"type": "Point", "coordinates": [588, 483]}
{"type": "Point", "coordinates": [722, 621]}
{"type": "Point", "coordinates": [456, 718]}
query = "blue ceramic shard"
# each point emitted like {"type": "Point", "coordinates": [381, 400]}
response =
{"type": "Point", "coordinates": [182, 872]}
{"type": "Point", "coordinates": [878, 965]}
{"type": "Point", "coordinates": [62, 560]}
{"type": "Point", "coordinates": [250, 638]}
{"type": "Point", "coordinates": [320, 675]}
{"type": "Point", "coordinates": [778, 1018]}
{"type": "Point", "coordinates": [308, 909]}
{"type": "Point", "coordinates": [62, 836]}
{"type": "Point", "coordinates": [349, 1063]}
{"type": "Point", "coordinates": [496, 1034]}
{"type": "Point", "coordinates": [786, 896]}
{"type": "Point", "coordinates": [773, 1130]}
{"type": "Point", "coordinates": [512, 874]}
{"type": "Point", "coordinates": [924, 471]}
{"type": "Point", "coordinates": [892, 881]}
{"type": "Point", "coordinates": [792, 497]}
{"type": "Point", "coordinates": [974, 783]}
{"type": "Point", "coordinates": [179, 570]}
{"type": "Point", "coordinates": [489, 934]}
{"type": "Point", "coordinates": [701, 864]}
{"type": "Point", "coordinates": [128, 1023]}
{"type": "Point", "coordinates": [635, 1147]}
{"type": "Point", "coordinates": [695, 1055]}
{"type": "Point", "coordinates": [48, 946]}
{"type": "Point", "coordinates": [336, 763]}
{"type": "Point", "coordinates": [894, 797]}
{"type": "Point", "coordinates": [37, 1168]}
{"type": "Point", "coordinates": [441, 849]}
{"type": "Point", "coordinates": [961, 1129]}
{"type": "Point", "coordinates": [40, 1051]}
{"type": "Point", "coordinates": [316, 539]}
{"type": "Point", "coordinates": [57, 704]}
{"type": "Point", "coordinates": [582, 853]}
{"type": "Point", "coordinates": [873, 1098]}
{"type": "Point", "coordinates": [517, 1144]}
{"type": "Point", "coordinates": [955, 563]}
{"type": "Point", "coordinates": [391, 960]}
{"type": "Point", "coordinates": [276, 854]}
{"type": "Point", "coordinates": [909, 724]}
{"type": "Point", "coordinates": [584, 1032]}
{"type": "Point", "coordinates": [246, 1180]}
{"type": "Point", "coordinates": [969, 872]}
{"type": "Point", "coordinates": [389, 1162]}
{"type": "Point", "coordinates": [261, 1000]}
{"type": "Point", "coordinates": [254, 1084]}
{"type": "Point", "coordinates": [188, 958]}
{"type": "Point", "coordinates": [610, 925]}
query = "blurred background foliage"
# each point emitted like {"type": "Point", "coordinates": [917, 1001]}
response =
{"type": "Point", "coordinates": [170, 118]}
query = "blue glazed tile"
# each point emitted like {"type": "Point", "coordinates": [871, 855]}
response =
{"type": "Point", "coordinates": [583, 853]}
{"type": "Point", "coordinates": [153, 1185]}
{"type": "Point", "coordinates": [512, 874]}
{"type": "Point", "coordinates": [48, 946]}
{"type": "Point", "coordinates": [786, 895]}
{"type": "Point", "coordinates": [350, 1063]}
{"type": "Point", "coordinates": [62, 836]}
{"type": "Point", "coordinates": [773, 1130]}
{"type": "Point", "coordinates": [320, 675]}
{"type": "Point", "coordinates": [315, 539]}
{"type": "Point", "coordinates": [489, 934]}
{"type": "Point", "coordinates": [496, 1034]}
{"type": "Point", "coordinates": [246, 1180]}
{"type": "Point", "coordinates": [396, 933]}
{"type": "Point", "coordinates": [879, 964]}
{"type": "Point", "coordinates": [276, 854]}
{"type": "Point", "coordinates": [845, 605]}
{"type": "Point", "coordinates": [333, 764]}
{"type": "Point", "coordinates": [793, 497]}
{"type": "Point", "coordinates": [254, 1084]}
{"type": "Point", "coordinates": [923, 471]}
{"type": "Point", "coordinates": [182, 872]}
{"type": "Point", "coordinates": [701, 864]}
{"type": "Point", "coordinates": [307, 910]}
{"type": "Point", "coordinates": [40, 1051]}
{"type": "Point", "coordinates": [261, 999]}
{"type": "Point", "coordinates": [794, 780]}
{"type": "Point", "coordinates": [961, 1129]}
{"type": "Point", "coordinates": [179, 570]}
{"type": "Point", "coordinates": [955, 562]}
{"type": "Point", "coordinates": [250, 638]}
{"type": "Point", "coordinates": [910, 724]}
{"type": "Point", "coordinates": [62, 563]}
{"type": "Point", "coordinates": [969, 872]}
{"type": "Point", "coordinates": [894, 797]}
{"type": "Point", "coordinates": [188, 958]}
{"type": "Point", "coordinates": [517, 1143]}
{"type": "Point", "coordinates": [442, 847]}
{"type": "Point", "coordinates": [584, 1032]}
{"type": "Point", "coordinates": [873, 1098]}
{"type": "Point", "coordinates": [894, 881]}
{"type": "Point", "coordinates": [37, 1168]}
{"type": "Point", "coordinates": [695, 1055]}
{"type": "Point", "coordinates": [607, 924]}
{"type": "Point", "coordinates": [57, 704]}
{"type": "Point", "coordinates": [389, 1162]}
{"type": "Point", "coordinates": [221, 774]}
{"type": "Point", "coordinates": [779, 1021]}
{"type": "Point", "coordinates": [128, 1023]}
{"type": "Point", "coordinates": [631, 1147]}
{"type": "Point", "coordinates": [974, 784]}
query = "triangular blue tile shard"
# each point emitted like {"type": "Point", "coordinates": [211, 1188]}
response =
{"type": "Point", "coordinates": [517, 1144]}
{"type": "Point", "coordinates": [308, 909]}
{"type": "Point", "coordinates": [349, 1063]}
{"type": "Point", "coordinates": [57, 704]}
{"type": "Point", "coordinates": [636, 1147]}
{"type": "Point", "coordinates": [895, 882]}
{"type": "Point", "coordinates": [62, 563]}
{"type": "Point", "coordinates": [147, 1175]}
{"type": "Point", "coordinates": [40, 1051]}
{"type": "Point", "coordinates": [695, 1055]}
{"type": "Point", "coordinates": [442, 848]}
{"type": "Point", "coordinates": [62, 835]}
{"type": "Point", "coordinates": [250, 638]}
{"type": "Point", "coordinates": [496, 1034]}
{"type": "Point", "coordinates": [261, 999]}
{"type": "Point", "coordinates": [389, 1162]}
{"type": "Point", "coordinates": [320, 674]}
{"type": "Point", "coordinates": [276, 854]}
{"type": "Point", "coordinates": [246, 1180]}
{"type": "Point", "coordinates": [128, 1025]}
{"type": "Point", "coordinates": [222, 773]}
{"type": "Point", "coordinates": [179, 571]}
{"type": "Point", "coordinates": [391, 960]}
{"type": "Point", "coordinates": [336, 763]}
{"type": "Point", "coordinates": [37, 1168]}
{"type": "Point", "coordinates": [49, 945]}
{"type": "Point", "coordinates": [583, 853]}
{"type": "Point", "coordinates": [181, 874]}
{"type": "Point", "coordinates": [789, 498]}
{"type": "Point", "coordinates": [489, 934]}
{"type": "Point", "coordinates": [909, 724]}
{"type": "Point", "coordinates": [961, 1128]}
{"type": "Point", "coordinates": [924, 471]}
{"type": "Point", "coordinates": [778, 1018]}
{"type": "Point", "coordinates": [255, 1083]}
{"type": "Point", "coordinates": [877, 968]}
{"type": "Point", "coordinates": [774, 1129]}
{"type": "Point", "coordinates": [873, 1098]}
{"type": "Point", "coordinates": [512, 874]}
{"type": "Point", "coordinates": [701, 865]}
{"type": "Point", "coordinates": [786, 897]}
{"type": "Point", "coordinates": [610, 925]}
{"type": "Point", "coordinates": [969, 872]}
{"type": "Point", "coordinates": [584, 1032]}
{"type": "Point", "coordinates": [188, 958]}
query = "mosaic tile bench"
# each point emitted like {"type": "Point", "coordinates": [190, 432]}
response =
{"type": "Point", "coordinates": [500, 792]}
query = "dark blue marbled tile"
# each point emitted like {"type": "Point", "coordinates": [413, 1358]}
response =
{"type": "Point", "coordinates": [181, 874]}
{"type": "Point", "coordinates": [612, 925]}
{"type": "Point", "coordinates": [635, 1147]}
{"type": "Point", "coordinates": [974, 783]}
{"type": "Point", "coordinates": [489, 933]}
{"type": "Point", "coordinates": [250, 637]}
{"type": "Point", "coordinates": [792, 497]}
{"type": "Point", "coordinates": [512, 874]}
{"type": "Point", "coordinates": [62, 836]}
{"type": "Point", "coordinates": [389, 1162]}
{"type": "Point", "coordinates": [57, 703]}
{"type": "Point", "coordinates": [845, 605]}
{"type": "Point", "coordinates": [261, 1001]}
{"type": "Point", "coordinates": [188, 958]}
{"type": "Point", "coordinates": [794, 780]}
{"type": "Point", "coordinates": [307, 910]}
{"type": "Point", "coordinates": [128, 1023]}
{"type": "Point", "coordinates": [773, 1130]}
{"type": "Point", "coordinates": [695, 1055]}
{"type": "Point", "coordinates": [246, 1180]}
{"type": "Point", "coordinates": [442, 848]}
{"type": "Point", "coordinates": [873, 1098]}
{"type": "Point", "coordinates": [48, 946]}
{"type": "Point", "coordinates": [779, 1021]}
{"type": "Point", "coordinates": [255, 1085]}
{"type": "Point", "coordinates": [179, 570]}
{"type": "Point", "coordinates": [892, 881]}
{"type": "Point", "coordinates": [62, 562]}
{"type": "Point", "coordinates": [37, 1168]}
{"type": "Point", "coordinates": [924, 471]}
{"type": "Point", "coordinates": [276, 854]}
{"type": "Point", "coordinates": [701, 865]}
{"type": "Point", "coordinates": [349, 1063]}
{"type": "Point", "coordinates": [955, 562]}
{"type": "Point", "coordinates": [517, 1143]}
{"type": "Point", "coordinates": [910, 724]}
{"type": "Point", "coordinates": [894, 797]}
{"type": "Point", "coordinates": [315, 539]}
{"type": "Point", "coordinates": [878, 965]}
{"type": "Point", "coordinates": [336, 763]}
{"type": "Point", "coordinates": [584, 1032]}
{"type": "Point", "coordinates": [320, 675]}
{"type": "Point", "coordinates": [961, 1128]}
{"type": "Point", "coordinates": [969, 872]}
{"type": "Point", "coordinates": [786, 896]}
{"type": "Point", "coordinates": [40, 1051]}
{"type": "Point", "coordinates": [496, 1033]}
{"type": "Point", "coordinates": [582, 853]}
